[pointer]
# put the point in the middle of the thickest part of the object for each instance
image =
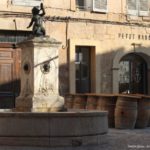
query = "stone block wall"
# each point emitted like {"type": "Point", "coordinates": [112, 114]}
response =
{"type": "Point", "coordinates": [115, 32]}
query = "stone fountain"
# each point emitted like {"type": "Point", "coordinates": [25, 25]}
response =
{"type": "Point", "coordinates": [39, 76]}
{"type": "Point", "coordinates": [40, 120]}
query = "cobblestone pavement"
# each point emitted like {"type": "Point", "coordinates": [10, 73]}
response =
{"type": "Point", "coordinates": [137, 139]}
{"type": "Point", "coordinates": [126, 140]}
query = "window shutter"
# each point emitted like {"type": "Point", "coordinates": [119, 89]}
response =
{"type": "Point", "coordinates": [88, 4]}
{"type": "Point", "coordinates": [26, 2]}
{"type": "Point", "coordinates": [80, 4]}
{"type": "Point", "coordinates": [100, 5]}
{"type": "Point", "coordinates": [132, 7]}
{"type": "Point", "coordinates": [143, 8]}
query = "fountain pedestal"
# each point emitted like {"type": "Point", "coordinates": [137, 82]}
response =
{"type": "Point", "coordinates": [39, 76]}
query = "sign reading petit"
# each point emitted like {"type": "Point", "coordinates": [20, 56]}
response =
{"type": "Point", "coordinates": [128, 36]}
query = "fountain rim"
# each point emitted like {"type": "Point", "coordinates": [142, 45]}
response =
{"type": "Point", "coordinates": [71, 113]}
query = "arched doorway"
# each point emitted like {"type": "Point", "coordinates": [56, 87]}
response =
{"type": "Point", "coordinates": [132, 74]}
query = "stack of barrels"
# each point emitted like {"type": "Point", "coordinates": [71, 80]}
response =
{"type": "Point", "coordinates": [132, 111]}
{"type": "Point", "coordinates": [92, 101]}
{"type": "Point", "coordinates": [143, 117]}
{"type": "Point", "coordinates": [107, 102]}
{"type": "Point", "coordinates": [125, 111]}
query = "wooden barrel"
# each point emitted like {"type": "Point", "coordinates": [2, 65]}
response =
{"type": "Point", "coordinates": [149, 119]}
{"type": "Point", "coordinates": [126, 111]}
{"type": "Point", "coordinates": [143, 112]}
{"type": "Point", "coordinates": [91, 101]}
{"type": "Point", "coordinates": [107, 102]}
{"type": "Point", "coordinates": [69, 101]}
{"type": "Point", "coordinates": [79, 101]}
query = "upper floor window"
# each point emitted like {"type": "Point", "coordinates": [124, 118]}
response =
{"type": "Point", "coordinates": [13, 37]}
{"type": "Point", "coordinates": [138, 7]}
{"type": "Point", "coordinates": [92, 5]}
{"type": "Point", "coordinates": [26, 2]}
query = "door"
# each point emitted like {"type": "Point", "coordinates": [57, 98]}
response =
{"type": "Point", "coordinates": [9, 75]}
{"type": "Point", "coordinates": [133, 74]}
{"type": "Point", "coordinates": [82, 63]}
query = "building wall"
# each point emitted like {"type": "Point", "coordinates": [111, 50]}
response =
{"type": "Point", "coordinates": [114, 31]}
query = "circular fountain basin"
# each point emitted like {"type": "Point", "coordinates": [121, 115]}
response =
{"type": "Point", "coordinates": [60, 129]}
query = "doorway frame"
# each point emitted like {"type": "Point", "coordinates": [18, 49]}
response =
{"type": "Point", "coordinates": [115, 69]}
{"type": "Point", "coordinates": [131, 58]}
{"type": "Point", "coordinates": [95, 70]}
{"type": "Point", "coordinates": [89, 50]}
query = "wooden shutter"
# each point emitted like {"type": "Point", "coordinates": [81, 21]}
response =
{"type": "Point", "coordinates": [143, 8]}
{"type": "Point", "coordinates": [26, 2]}
{"type": "Point", "coordinates": [100, 5]}
{"type": "Point", "coordinates": [132, 7]}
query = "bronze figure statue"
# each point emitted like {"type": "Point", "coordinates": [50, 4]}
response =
{"type": "Point", "coordinates": [37, 21]}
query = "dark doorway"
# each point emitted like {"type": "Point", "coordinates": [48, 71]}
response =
{"type": "Point", "coordinates": [133, 74]}
{"type": "Point", "coordinates": [83, 63]}
{"type": "Point", "coordinates": [9, 75]}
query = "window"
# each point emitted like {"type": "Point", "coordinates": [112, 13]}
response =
{"type": "Point", "coordinates": [100, 5]}
{"type": "Point", "coordinates": [138, 7]}
{"type": "Point", "coordinates": [26, 2]}
{"type": "Point", "coordinates": [13, 36]}
{"type": "Point", "coordinates": [92, 5]}
{"type": "Point", "coordinates": [80, 4]}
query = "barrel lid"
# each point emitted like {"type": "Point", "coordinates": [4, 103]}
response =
{"type": "Point", "coordinates": [75, 94]}
{"type": "Point", "coordinates": [130, 96]}
{"type": "Point", "coordinates": [142, 96]}
{"type": "Point", "coordinates": [91, 94]}
{"type": "Point", "coordinates": [101, 94]}
{"type": "Point", "coordinates": [146, 96]}
{"type": "Point", "coordinates": [79, 94]}
{"type": "Point", "coordinates": [68, 94]}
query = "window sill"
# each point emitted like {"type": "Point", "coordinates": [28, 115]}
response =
{"type": "Point", "coordinates": [91, 11]}
{"type": "Point", "coordinates": [146, 19]}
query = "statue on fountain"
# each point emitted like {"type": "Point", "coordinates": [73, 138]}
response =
{"type": "Point", "coordinates": [40, 83]}
{"type": "Point", "coordinates": [37, 21]}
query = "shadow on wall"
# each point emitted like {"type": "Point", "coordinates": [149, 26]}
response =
{"type": "Point", "coordinates": [106, 65]}
{"type": "Point", "coordinates": [109, 64]}
{"type": "Point", "coordinates": [63, 79]}
{"type": "Point", "coordinates": [107, 68]}
{"type": "Point", "coordinates": [8, 92]}
{"type": "Point", "coordinates": [106, 74]}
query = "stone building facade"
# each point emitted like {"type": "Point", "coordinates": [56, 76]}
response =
{"type": "Point", "coordinates": [105, 44]}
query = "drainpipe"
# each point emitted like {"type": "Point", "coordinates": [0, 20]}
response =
{"type": "Point", "coordinates": [66, 42]}
{"type": "Point", "coordinates": [14, 45]}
